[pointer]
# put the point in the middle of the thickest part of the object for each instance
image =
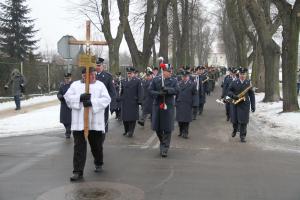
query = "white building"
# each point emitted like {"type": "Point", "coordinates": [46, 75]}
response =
{"type": "Point", "coordinates": [217, 59]}
{"type": "Point", "coordinates": [217, 56]}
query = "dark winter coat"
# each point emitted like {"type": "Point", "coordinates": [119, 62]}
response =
{"type": "Point", "coordinates": [147, 97]}
{"type": "Point", "coordinates": [184, 101]}
{"type": "Point", "coordinates": [107, 79]}
{"type": "Point", "coordinates": [199, 91]}
{"type": "Point", "coordinates": [239, 113]}
{"type": "Point", "coordinates": [65, 111]}
{"type": "Point", "coordinates": [131, 98]}
{"type": "Point", "coordinates": [225, 86]}
{"type": "Point", "coordinates": [163, 120]}
{"type": "Point", "coordinates": [16, 83]}
{"type": "Point", "coordinates": [205, 86]}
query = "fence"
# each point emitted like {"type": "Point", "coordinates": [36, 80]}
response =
{"type": "Point", "coordinates": [42, 78]}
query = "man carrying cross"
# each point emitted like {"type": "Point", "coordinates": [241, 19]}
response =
{"type": "Point", "coordinates": [96, 101]}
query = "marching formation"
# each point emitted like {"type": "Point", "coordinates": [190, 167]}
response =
{"type": "Point", "coordinates": [157, 94]}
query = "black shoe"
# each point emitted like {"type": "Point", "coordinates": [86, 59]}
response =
{"type": "Point", "coordinates": [185, 136]}
{"type": "Point", "coordinates": [68, 136]}
{"type": "Point", "coordinates": [17, 108]}
{"type": "Point", "coordinates": [125, 133]}
{"type": "Point", "coordinates": [164, 154]}
{"type": "Point", "coordinates": [130, 134]}
{"type": "Point", "coordinates": [141, 123]}
{"type": "Point", "coordinates": [228, 118]}
{"type": "Point", "coordinates": [243, 140]}
{"type": "Point", "coordinates": [76, 177]}
{"type": "Point", "coordinates": [98, 168]}
{"type": "Point", "coordinates": [233, 134]}
{"type": "Point", "coordinates": [180, 134]}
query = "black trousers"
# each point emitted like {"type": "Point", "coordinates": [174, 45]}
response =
{"type": "Point", "coordinates": [129, 126]}
{"type": "Point", "coordinates": [227, 107]}
{"type": "Point", "coordinates": [96, 139]}
{"type": "Point", "coordinates": [195, 112]}
{"type": "Point", "coordinates": [184, 128]}
{"type": "Point", "coordinates": [241, 127]}
{"type": "Point", "coordinates": [68, 129]}
{"type": "Point", "coordinates": [17, 101]}
{"type": "Point", "coordinates": [106, 115]}
{"type": "Point", "coordinates": [201, 106]}
{"type": "Point", "coordinates": [165, 140]}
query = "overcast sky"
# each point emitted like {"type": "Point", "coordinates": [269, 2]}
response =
{"type": "Point", "coordinates": [54, 19]}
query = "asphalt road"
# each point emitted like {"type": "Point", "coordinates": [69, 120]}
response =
{"type": "Point", "coordinates": [210, 165]}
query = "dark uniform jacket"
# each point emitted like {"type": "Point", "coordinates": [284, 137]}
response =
{"type": "Point", "coordinates": [147, 97]}
{"type": "Point", "coordinates": [239, 113]}
{"type": "Point", "coordinates": [199, 91]}
{"type": "Point", "coordinates": [184, 101]}
{"type": "Point", "coordinates": [225, 86]}
{"type": "Point", "coordinates": [163, 120]}
{"type": "Point", "coordinates": [131, 97]}
{"type": "Point", "coordinates": [203, 77]}
{"type": "Point", "coordinates": [65, 111]}
{"type": "Point", "coordinates": [107, 79]}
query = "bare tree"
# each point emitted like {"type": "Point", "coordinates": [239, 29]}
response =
{"type": "Point", "coordinates": [259, 12]}
{"type": "Point", "coordinates": [290, 17]}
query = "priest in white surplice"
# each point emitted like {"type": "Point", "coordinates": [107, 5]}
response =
{"type": "Point", "coordinates": [97, 100]}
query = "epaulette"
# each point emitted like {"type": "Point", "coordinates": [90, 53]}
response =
{"type": "Point", "coordinates": [109, 74]}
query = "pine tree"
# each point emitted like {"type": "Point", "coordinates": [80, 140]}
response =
{"type": "Point", "coordinates": [16, 30]}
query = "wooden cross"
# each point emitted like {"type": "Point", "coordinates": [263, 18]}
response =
{"type": "Point", "coordinates": [87, 60]}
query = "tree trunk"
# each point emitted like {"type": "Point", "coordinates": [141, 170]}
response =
{"type": "Point", "coordinates": [164, 34]}
{"type": "Point", "coordinates": [239, 33]}
{"type": "Point", "coordinates": [258, 70]}
{"type": "Point", "coordinates": [270, 49]}
{"type": "Point", "coordinates": [290, 57]}
{"type": "Point", "coordinates": [114, 43]}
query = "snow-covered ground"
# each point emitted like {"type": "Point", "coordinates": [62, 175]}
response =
{"type": "Point", "coordinates": [281, 125]}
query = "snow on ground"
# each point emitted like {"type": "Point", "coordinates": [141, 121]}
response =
{"type": "Point", "coordinates": [35, 122]}
{"type": "Point", "coordinates": [27, 102]}
{"type": "Point", "coordinates": [280, 125]}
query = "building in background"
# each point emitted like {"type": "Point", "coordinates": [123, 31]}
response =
{"type": "Point", "coordinates": [217, 56]}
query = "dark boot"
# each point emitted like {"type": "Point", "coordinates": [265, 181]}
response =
{"type": "Point", "coordinates": [233, 134]}
{"type": "Point", "coordinates": [141, 123]}
{"type": "Point", "coordinates": [243, 139]}
{"type": "Point", "coordinates": [98, 168]}
{"type": "Point", "coordinates": [76, 177]}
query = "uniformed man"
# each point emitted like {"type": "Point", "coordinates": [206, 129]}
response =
{"type": "Point", "coordinates": [240, 111]}
{"type": "Point", "coordinates": [204, 80]}
{"type": "Point", "coordinates": [65, 111]}
{"type": "Point", "coordinates": [184, 103]}
{"type": "Point", "coordinates": [163, 89]}
{"type": "Point", "coordinates": [107, 79]}
{"type": "Point", "coordinates": [131, 98]}
{"type": "Point", "coordinates": [147, 97]}
{"type": "Point", "coordinates": [117, 86]}
{"type": "Point", "coordinates": [225, 85]}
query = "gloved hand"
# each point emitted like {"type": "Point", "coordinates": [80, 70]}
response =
{"type": "Point", "coordinates": [253, 110]}
{"type": "Point", "coordinates": [5, 87]}
{"type": "Point", "coordinates": [85, 97]}
{"type": "Point", "coordinates": [87, 103]}
{"type": "Point", "coordinates": [60, 97]}
{"type": "Point", "coordinates": [162, 92]}
{"type": "Point", "coordinates": [235, 97]}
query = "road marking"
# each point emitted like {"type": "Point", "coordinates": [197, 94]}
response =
{"type": "Point", "coordinates": [149, 141]}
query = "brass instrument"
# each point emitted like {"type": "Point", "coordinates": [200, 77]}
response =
{"type": "Point", "coordinates": [207, 79]}
{"type": "Point", "coordinates": [241, 96]}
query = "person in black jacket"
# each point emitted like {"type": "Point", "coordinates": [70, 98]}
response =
{"type": "Point", "coordinates": [240, 111]}
{"type": "Point", "coordinates": [65, 111]}
{"type": "Point", "coordinates": [184, 103]}
{"type": "Point", "coordinates": [131, 98]}
{"type": "Point", "coordinates": [164, 89]}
